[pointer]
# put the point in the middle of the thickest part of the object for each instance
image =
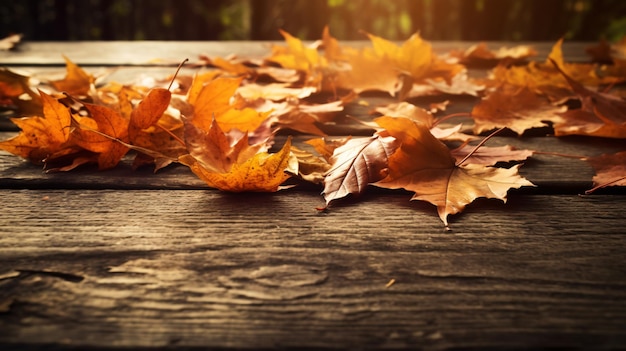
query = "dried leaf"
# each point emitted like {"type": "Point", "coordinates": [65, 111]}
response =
{"type": "Point", "coordinates": [424, 165]}
{"type": "Point", "coordinates": [261, 173]}
{"type": "Point", "coordinates": [356, 164]}
{"type": "Point", "coordinates": [518, 109]}
{"type": "Point", "coordinates": [41, 136]}
{"type": "Point", "coordinates": [77, 82]}
{"type": "Point", "coordinates": [610, 169]}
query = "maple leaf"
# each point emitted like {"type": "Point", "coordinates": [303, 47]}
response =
{"type": "Point", "coordinates": [41, 136]}
{"type": "Point", "coordinates": [77, 82]}
{"type": "Point", "coordinates": [214, 101]}
{"type": "Point", "coordinates": [300, 57]}
{"type": "Point", "coordinates": [425, 166]}
{"type": "Point", "coordinates": [544, 78]}
{"type": "Point", "coordinates": [101, 134]}
{"type": "Point", "coordinates": [517, 108]}
{"type": "Point", "coordinates": [356, 164]}
{"type": "Point", "coordinates": [364, 70]}
{"type": "Point", "coordinates": [230, 164]}
{"type": "Point", "coordinates": [600, 115]}
{"type": "Point", "coordinates": [610, 170]}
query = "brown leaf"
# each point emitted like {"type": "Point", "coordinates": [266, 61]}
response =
{"type": "Point", "coordinates": [601, 114]}
{"type": "Point", "coordinates": [356, 164]}
{"type": "Point", "coordinates": [518, 109]}
{"type": "Point", "coordinates": [424, 165]}
{"type": "Point", "coordinates": [610, 170]}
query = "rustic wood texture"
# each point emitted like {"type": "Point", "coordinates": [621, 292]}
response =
{"type": "Point", "coordinates": [125, 260]}
{"type": "Point", "coordinates": [197, 268]}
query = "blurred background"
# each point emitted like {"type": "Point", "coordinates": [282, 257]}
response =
{"type": "Point", "coordinates": [528, 20]}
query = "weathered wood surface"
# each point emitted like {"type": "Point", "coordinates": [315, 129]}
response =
{"type": "Point", "coordinates": [196, 268]}
{"type": "Point", "coordinates": [128, 259]}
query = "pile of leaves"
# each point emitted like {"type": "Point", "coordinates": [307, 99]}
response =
{"type": "Point", "coordinates": [222, 121]}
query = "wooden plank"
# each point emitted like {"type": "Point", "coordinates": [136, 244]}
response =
{"type": "Point", "coordinates": [551, 173]}
{"type": "Point", "coordinates": [123, 269]}
{"type": "Point", "coordinates": [152, 53]}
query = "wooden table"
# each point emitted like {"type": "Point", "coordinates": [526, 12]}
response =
{"type": "Point", "coordinates": [127, 259]}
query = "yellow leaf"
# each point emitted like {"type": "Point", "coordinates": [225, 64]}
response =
{"type": "Point", "coordinates": [261, 173]}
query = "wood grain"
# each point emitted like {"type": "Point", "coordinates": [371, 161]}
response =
{"type": "Point", "coordinates": [203, 268]}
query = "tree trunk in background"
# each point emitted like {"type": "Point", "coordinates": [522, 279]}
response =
{"type": "Point", "coordinates": [304, 19]}
{"type": "Point", "coordinates": [416, 12]}
{"type": "Point", "coordinates": [548, 20]}
{"type": "Point", "coordinates": [263, 19]}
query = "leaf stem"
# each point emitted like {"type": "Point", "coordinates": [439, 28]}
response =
{"type": "Point", "coordinates": [172, 134]}
{"type": "Point", "coordinates": [604, 185]}
{"type": "Point", "coordinates": [176, 74]}
{"type": "Point", "coordinates": [482, 142]}
{"type": "Point", "coordinates": [450, 116]}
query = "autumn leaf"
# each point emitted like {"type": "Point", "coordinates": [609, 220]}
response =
{"type": "Point", "coordinates": [601, 114]}
{"type": "Point", "coordinates": [77, 82]}
{"type": "Point", "coordinates": [326, 148]}
{"type": "Point", "coordinates": [366, 71]}
{"type": "Point", "coordinates": [10, 42]}
{"type": "Point", "coordinates": [151, 129]}
{"type": "Point", "coordinates": [480, 55]}
{"type": "Point", "coordinates": [517, 108]}
{"type": "Point", "coordinates": [356, 164]}
{"type": "Point", "coordinates": [41, 136]}
{"type": "Point", "coordinates": [425, 166]}
{"type": "Point", "coordinates": [102, 138]}
{"type": "Point", "coordinates": [300, 57]}
{"type": "Point", "coordinates": [17, 94]}
{"type": "Point", "coordinates": [610, 170]}
{"type": "Point", "coordinates": [489, 155]}
{"type": "Point", "coordinates": [218, 151]}
{"type": "Point", "coordinates": [214, 101]}
{"type": "Point", "coordinates": [232, 165]}
{"type": "Point", "coordinates": [311, 168]}
{"type": "Point", "coordinates": [542, 77]}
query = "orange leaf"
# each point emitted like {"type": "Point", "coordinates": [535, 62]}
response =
{"type": "Point", "coordinates": [41, 136]}
{"type": "Point", "coordinates": [76, 82]}
{"type": "Point", "coordinates": [110, 126]}
{"type": "Point", "coordinates": [425, 166]}
{"type": "Point", "coordinates": [213, 101]}
{"type": "Point", "coordinates": [517, 108]}
{"type": "Point", "coordinates": [261, 173]}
